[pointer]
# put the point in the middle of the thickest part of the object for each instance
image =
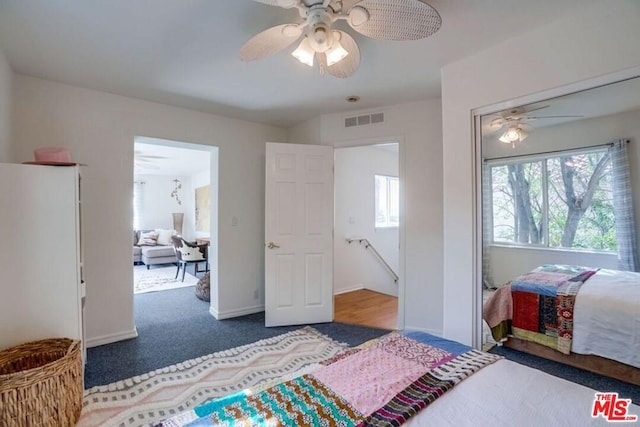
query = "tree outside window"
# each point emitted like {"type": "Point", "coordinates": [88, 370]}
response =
{"type": "Point", "coordinates": [564, 201]}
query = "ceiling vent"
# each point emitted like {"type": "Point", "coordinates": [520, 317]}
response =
{"type": "Point", "coordinates": [367, 119]}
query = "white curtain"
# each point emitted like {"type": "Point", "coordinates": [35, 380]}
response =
{"type": "Point", "coordinates": [138, 204]}
{"type": "Point", "coordinates": [487, 225]}
{"type": "Point", "coordinates": [623, 207]}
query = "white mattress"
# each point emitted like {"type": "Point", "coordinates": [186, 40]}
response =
{"type": "Point", "coordinates": [607, 317]}
{"type": "Point", "coordinates": [509, 394]}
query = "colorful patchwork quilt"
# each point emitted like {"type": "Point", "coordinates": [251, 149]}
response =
{"type": "Point", "coordinates": [538, 306]}
{"type": "Point", "coordinates": [380, 384]}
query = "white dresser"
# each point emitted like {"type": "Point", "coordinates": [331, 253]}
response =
{"type": "Point", "coordinates": [41, 280]}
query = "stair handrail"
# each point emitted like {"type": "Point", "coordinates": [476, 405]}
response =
{"type": "Point", "coordinates": [368, 245]}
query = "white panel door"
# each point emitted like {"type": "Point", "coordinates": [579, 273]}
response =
{"type": "Point", "coordinates": [298, 234]}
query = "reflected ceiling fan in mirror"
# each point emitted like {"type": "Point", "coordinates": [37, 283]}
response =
{"type": "Point", "coordinates": [335, 50]}
{"type": "Point", "coordinates": [514, 123]}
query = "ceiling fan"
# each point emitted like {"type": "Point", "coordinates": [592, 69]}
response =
{"type": "Point", "coordinates": [146, 161]}
{"type": "Point", "coordinates": [514, 123]}
{"type": "Point", "coordinates": [335, 50]}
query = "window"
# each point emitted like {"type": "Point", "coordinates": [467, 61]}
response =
{"type": "Point", "coordinates": [138, 203]}
{"type": "Point", "coordinates": [561, 201]}
{"type": "Point", "coordinates": [387, 205]}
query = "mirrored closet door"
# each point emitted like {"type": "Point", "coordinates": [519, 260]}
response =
{"type": "Point", "coordinates": [549, 183]}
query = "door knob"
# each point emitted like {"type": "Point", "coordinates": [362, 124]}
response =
{"type": "Point", "coordinates": [272, 245]}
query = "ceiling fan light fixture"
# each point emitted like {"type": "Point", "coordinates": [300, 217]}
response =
{"type": "Point", "coordinates": [304, 52]}
{"type": "Point", "coordinates": [513, 134]}
{"type": "Point", "coordinates": [320, 38]}
{"type": "Point", "coordinates": [336, 53]}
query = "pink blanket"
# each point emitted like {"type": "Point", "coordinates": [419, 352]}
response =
{"type": "Point", "coordinates": [498, 312]}
{"type": "Point", "coordinates": [372, 377]}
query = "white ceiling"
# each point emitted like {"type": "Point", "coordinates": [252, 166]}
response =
{"type": "Point", "coordinates": [600, 101]}
{"type": "Point", "coordinates": [161, 157]}
{"type": "Point", "coordinates": [184, 52]}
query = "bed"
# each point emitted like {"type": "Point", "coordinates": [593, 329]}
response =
{"type": "Point", "coordinates": [585, 317]}
{"type": "Point", "coordinates": [412, 379]}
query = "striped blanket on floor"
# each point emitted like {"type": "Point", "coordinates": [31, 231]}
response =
{"type": "Point", "coordinates": [538, 306]}
{"type": "Point", "coordinates": [380, 384]}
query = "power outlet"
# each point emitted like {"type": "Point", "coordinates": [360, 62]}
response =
{"type": "Point", "coordinates": [256, 294]}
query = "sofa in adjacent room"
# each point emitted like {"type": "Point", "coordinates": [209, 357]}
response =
{"type": "Point", "coordinates": [153, 247]}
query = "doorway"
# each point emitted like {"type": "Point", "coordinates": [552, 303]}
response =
{"type": "Point", "coordinates": [366, 235]}
{"type": "Point", "coordinates": [175, 194]}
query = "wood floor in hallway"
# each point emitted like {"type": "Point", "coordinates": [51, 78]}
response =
{"type": "Point", "coordinates": [367, 308]}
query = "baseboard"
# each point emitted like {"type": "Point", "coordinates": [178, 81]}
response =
{"type": "Point", "coordinates": [384, 292]}
{"type": "Point", "coordinates": [228, 314]}
{"type": "Point", "coordinates": [344, 291]}
{"type": "Point", "coordinates": [427, 330]}
{"type": "Point", "coordinates": [111, 338]}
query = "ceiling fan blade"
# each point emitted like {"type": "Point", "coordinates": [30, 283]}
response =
{"type": "Point", "coordinates": [549, 117]}
{"type": "Point", "coordinates": [350, 63]}
{"type": "Point", "coordinates": [270, 41]}
{"type": "Point", "coordinates": [520, 111]}
{"type": "Point", "coordinates": [498, 121]}
{"type": "Point", "coordinates": [287, 4]}
{"type": "Point", "coordinates": [394, 20]}
{"type": "Point", "coordinates": [145, 156]}
{"type": "Point", "coordinates": [142, 155]}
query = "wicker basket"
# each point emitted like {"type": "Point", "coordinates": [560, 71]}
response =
{"type": "Point", "coordinates": [41, 383]}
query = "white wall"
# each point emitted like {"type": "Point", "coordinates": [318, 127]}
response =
{"type": "Point", "coordinates": [590, 43]}
{"type": "Point", "coordinates": [354, 266]}
{"type": "Point", "coordinates": [99, 129]}
{"type": "Point", "coordinates": [6, 108]}
{"type": "Point", "coordinates": [158, 205]}
{"type": "Point", "coordinates": [506, 263]}
{"type": "Point", "coordinates": [417, 127]}
{"type": "Point", "coordinates": [309, 132]}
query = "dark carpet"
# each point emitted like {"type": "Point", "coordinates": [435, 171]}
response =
{"type": "Point", "coordinates": [580, 376]}
{"type": "Point", "coordinates": [174, 326]}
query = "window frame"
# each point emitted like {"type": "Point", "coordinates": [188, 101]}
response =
{"type": "Point", "coordinates": [543, 158]}
{"type": "Point", "coordinates": [138, 204]}
{"type": "Point", "coordinates": [388, 179]}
